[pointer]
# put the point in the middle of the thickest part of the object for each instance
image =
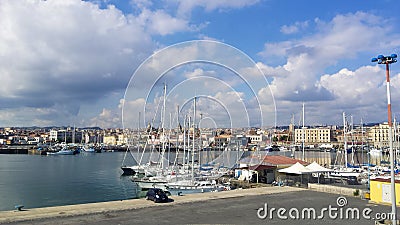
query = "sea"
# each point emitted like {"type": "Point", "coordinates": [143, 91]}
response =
{"type": "Point", "coordinates": [41, 181]}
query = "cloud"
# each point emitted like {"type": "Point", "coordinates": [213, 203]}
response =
{"type": "Point", "coordinates": [296, 27]}
{"type": "Point", "coordinates": [308, 57]}
{"type": "Point", "coordinates": [354, 87]}
{"type": "Point", "coordinates": [161, 23]}
{"type": "Point", "coordinates": [302, 75]}
{"type": "Point", "coordinates": [106, 118]}
{"type": "Point", "coordinates": [57, 53]}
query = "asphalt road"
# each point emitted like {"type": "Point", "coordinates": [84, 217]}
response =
{"type": "Point", "coordinates": [240, 210]}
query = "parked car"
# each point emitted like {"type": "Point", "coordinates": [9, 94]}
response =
{"type": "Point", "coordinates": [156, 195]}
{"type": "Point", "coordinates": [352, 180]}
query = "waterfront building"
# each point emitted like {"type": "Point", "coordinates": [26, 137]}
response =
{"type": "Point", "coordinates": [266, 168]}
{"type": "Point", "coordinates": [255, 139]}
{"type": "Point", "coordinates": [110, 140]}
{"type": "Point", "coordinates": [222, 140]}
{"type": "Point", "coordinates": [122, 139]}
{"type": "Point", "coordinates": [53, 135]}
{"type": "Point", "coordinates": [313, 136]}
{"type": "Point", "coordinates": [68, 135]}
{"type": "Point", "coordinates": [355, 136]}
{"type": "Point", "coordinates": [378, 136]}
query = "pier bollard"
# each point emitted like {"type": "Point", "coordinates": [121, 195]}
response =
{"type": "Point", "coordinates": [19, 207]}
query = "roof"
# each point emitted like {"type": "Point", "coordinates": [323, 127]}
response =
{"type": "Point", "coordinates": [279, 160]}
{"type": "Point", "coordinates": [297, 168]}
{"type": "Point", "coordinates": [315, 167]}
{"type": "Point", "coordinates": [260, 167]}
{"type": "Point", "coordinates": [269, 161]}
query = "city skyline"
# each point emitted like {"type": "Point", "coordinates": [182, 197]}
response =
{"type": "Point", "coordinates": [72, 62]}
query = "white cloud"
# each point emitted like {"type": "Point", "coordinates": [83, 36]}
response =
{"type": "Point", "coordinates": [343, 38]}
{"type": "Point", "coordinates": [65, 53]}
{"type": "Point", "coordinates": [354, 87]}
{"type": "Point", "coordinates": [307, 58]}
{"type": "Point", "coordinates": [106, 119]}
{"type": "Point", "coordinates": [161, 23]}
{"type": "Point", "coordinates": [296, 27]}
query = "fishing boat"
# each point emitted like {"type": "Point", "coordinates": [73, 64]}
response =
{"type": "Point", "coordinates": [62, 152]}
{"type": "Point", "coordinates": [88, 149]}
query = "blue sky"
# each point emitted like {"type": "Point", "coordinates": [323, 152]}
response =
{"type": "Point", "coordinates": [70, 62]}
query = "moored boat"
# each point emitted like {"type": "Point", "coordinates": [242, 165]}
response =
{"type": "Point", "coordinates": [62, 152]}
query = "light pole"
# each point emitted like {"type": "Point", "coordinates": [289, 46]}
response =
{"type": "Point", "coordinates": [389, 60]}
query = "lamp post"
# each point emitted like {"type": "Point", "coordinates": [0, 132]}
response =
{"type": "Point", "coordinates": [389, 60]}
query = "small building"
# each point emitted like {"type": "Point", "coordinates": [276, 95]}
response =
{"type": "Point", "coordinates": [380, 191]}
{"type": "Point", "coordinates": [266, 168]}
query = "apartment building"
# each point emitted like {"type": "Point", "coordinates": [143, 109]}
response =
{"type": "Point", "coordinates": [313, 136]}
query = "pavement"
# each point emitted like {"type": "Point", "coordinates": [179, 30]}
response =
{"type": "Point", "coordinates": [58, 214]}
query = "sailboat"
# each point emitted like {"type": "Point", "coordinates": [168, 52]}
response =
{"type": "Point", "coordinates": [147, 175]}
{"type": "Point", "coordinates": [134, 169]}
{"type": "Point", "coordinates": [177, 177]}
{"type": "Point", "coordinates": [345, 171]}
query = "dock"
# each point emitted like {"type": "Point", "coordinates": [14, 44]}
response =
{"type": "Point", "coordinates": [60, 212]}
{"type": "Point", "coordinates": [15, 149]}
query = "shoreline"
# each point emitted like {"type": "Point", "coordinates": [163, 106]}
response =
{"type": "Point", "coordinates": [126, 205]}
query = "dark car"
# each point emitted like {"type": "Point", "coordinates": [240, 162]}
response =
{"type": "Point", "coordinates": [156, 195]}
{"type": "Point", "coordinates": [352, 180]}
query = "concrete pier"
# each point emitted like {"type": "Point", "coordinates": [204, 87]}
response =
{"type": "Point", "coordinates": [115, 206]}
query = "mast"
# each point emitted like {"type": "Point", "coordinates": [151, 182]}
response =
{"type": "Point", "coordinates": [304, 134]}
{"type": "Point", "coordinates": [345, 138]}
{"type": "Point", "coordinates": [352, 139]}
{"type": "Point", "coordinates": [293, 136]}
{"type": "Point", "coordinates": [194, 127]}
{"type": "Point", "coordinates": [162, 127]}
{"type": "Point", "coordinates": [179, 129]}
{"type": "Point", "coordinates": [362, 141]}
{"type": "Point", "coordinates": [184, 141]}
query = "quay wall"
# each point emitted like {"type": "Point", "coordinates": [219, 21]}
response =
{"type": "Point", "coordinates": [347, 191]}
{"type": "Point", "coordinates": [13, 150]}
{"type": "Point", "coordinates": [16, 149]}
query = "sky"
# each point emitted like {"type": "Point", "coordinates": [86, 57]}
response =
{"type": "Point", "coordinates": [236, 63]}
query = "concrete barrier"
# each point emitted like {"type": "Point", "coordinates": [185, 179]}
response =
{"type": "Point", "coordinates": [337, 190]}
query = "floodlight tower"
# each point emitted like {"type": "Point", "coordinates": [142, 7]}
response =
{"type": "Point", "coordinates": [389, 60]}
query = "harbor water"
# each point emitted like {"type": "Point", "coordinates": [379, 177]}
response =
{"type": "Point", "coordinates": [41, 181]}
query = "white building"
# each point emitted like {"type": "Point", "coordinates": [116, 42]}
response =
{"type": "Point", "coordinates": [312, 136]}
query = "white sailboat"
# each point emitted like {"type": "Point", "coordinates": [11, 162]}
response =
{"type": "Point", "coordinates": [174, 177]}
{"type": "Point", "coordinates": [344, 171]}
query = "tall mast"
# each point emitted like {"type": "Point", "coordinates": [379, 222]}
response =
{"type": "Point", "coordinates": [345, 139]}
{"type": "Point", "coordinates": [304, 134]}
{"type": "Point", "coordinates": [184, 141]}
{"type": "Point", "coordinates": [194, 129]}
{"type": "Point", "coordinates": [178, 125]}
{"type": "Point", "coordinates": [162, 127]}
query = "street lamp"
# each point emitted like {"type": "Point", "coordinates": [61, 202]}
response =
{"type": "Point", "coordinates": [389, 60]}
